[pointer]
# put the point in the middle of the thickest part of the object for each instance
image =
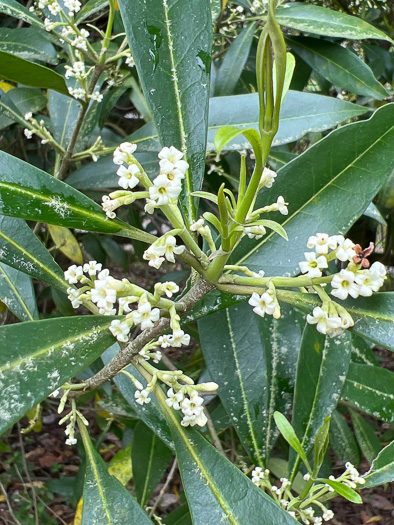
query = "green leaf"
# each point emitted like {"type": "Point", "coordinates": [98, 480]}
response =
{"type": "Point", "coordinates": [362, 351]}
{"type": "Point", "coordinates": [225, 134]}
{"type": "Point", "coordinates": [30, 74]}
{"type": "Point", "coordinates": [371, 389]}
{"type": "Point", "coordinates": [27, 192]}
{"type": "Point", "coordinates": [17, 292]}
{"type": "Point", "coordinates": [206, 195]}
{"type": "Point", "coordinates": [321, 372]}
{"type": "Point", "coordinates": [39, 356]}
{"type": "Point", "coordinates": [105, 500]}
{"type": "Point", "coordinates": [27, 43]}
{"type": "Point", "coordinates": [179, 516]}
{"type": "Point", "coordinates": [234, 62]}
{"type": "Point", "coordinates": [150, 459]}
{"type": "Point", "coordinates": [171, 43]}
{"type": "Point", "coordinates": [216, 490]}
{"type": "Point", "coordinates": [382, 468]}
{"type": "Point", "coordinates": [322, 21]}
{"type": "Point", "coordinates": [323, 199]}
{"type": "Point", "coordinates": [321, 444]}
{"type": "Point", "coordinates": [150, 414]}
{"type": "Point", "coordinates": [290, 436]}
{"type": "Point", "coordinates": [91, 8]}
{"type": "Point", "coordinates": [343, 441]}
{"type": "Point", "coordinates": [338, 65]}
{"type": "Point", "coordinates": [17, 102]}
{"type": "Point", "coordinates": [344, 490]}
{"type": "Point", "coordinates": [21, 249]}
{"type": "Point", "coordinates": [15, 9]}
{"type": "Point", "coordinates": [367, 439]}
{"type": "Point", "coordinates": [64, 113]}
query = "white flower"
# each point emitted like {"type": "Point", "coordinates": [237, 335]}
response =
{"type": "Point", "coordinates": [192, 406]}
{"type": "Point", "coordinates": [130, 61]}
{"type": "Point", "coordinates": [145, 315]}
{"type": "Point", "coordinates": [73, 297]}
{"type": "Point", "coordinates": [28, 115]}
{"type": "Point", "coordinates": [120, 330]}
{"type": "Point", "coordinates": [96, 96]}
{"type": "Point", "coordinates": [307, 477]}
{"type": "Point", "coordinates": [255, 232]}
{"type": "Point", "coordinates": [343, 284]}
{"type": "Point", "coordinates": [80, 43]}
{"type": "Point", "coordinates": [267, 178]}
{"type": "Point", "coordinates": [108, 310]}
{"type": "Point", "coordinates": [368, 282]}
{"type": "Point", "coordinates": [28, 133]}
{"type": "Point", "coordinates": [263, 304]}
{"type": "Point", "coordinates": [102, 295]}
{"type": "Point", "coordinates": [345, 250]}
{"type": "Point", "coordinates": [164, 189]}
{"type": "Point", "coordinates": [157, 356]}
{"type": "Point", "coordinates": [49, 26]}
{"type": "Point", "coordinates": [85, 33]}
{"type": "Point", "coordinates": [153, 255]}
{"type": "Point", "coordinates": [179, 338]}
{"type": "Point", "coordinates": [77, 93]}
{"type": "Point", "coordinates": [188, 420]}
{"type": "Point", "coordinates": [174, 399]}
{"type": "Point", "coordinates": [92, 267]}
{"type": "Point", "coordinates": [328, 515]}
{"type": "Point", "coordinates": [281, 206]}
{"type": "Point", "coordinates": [196, 226]}
{"type": "Point", "coordinates": [124, 153]}
{"type": "Point", "coordinates": [142, 397]}
{"type": "Point", "coordinates": [170, 288]}
{"type": "Point", "coordinates": [67, 30]}
{"type": "Point", "coordinates": [150, 206]}
{"type": "Point", "coordinates": [322, 243]}
{"type": "Point", "coordinates": [73, 274]}
{"type": "Point", "coordinates": [313, 265]}
{"type": "Point", "coordinates": [71, 441]}
{"type": "Point", "coordinates": [54, 8]}
{"type": "Point", "coordinates": [73, 6]}
{"type": "Point", "coordinates": [109, 206]}
{"type": "Point", "coordinates": [127, 176]}
{"type": "Point", "coordinates": [378, 269]}
{"type": "Point", "coordinates": [170, 248]}
{"type": "Point", "coordinates": [324, 324]}
{"type": "Point", "coordinates": [165, 341]}
{"type": "Point", "coordinates": [171, 162]}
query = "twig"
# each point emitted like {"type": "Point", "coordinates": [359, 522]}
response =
{"type": "Point", "coordinates": [52, 511]}
{"type": "Point", "coordinates": [212, 431]}
{"type": "Point", "coordinates": [164, 488]}
{"type": "Point", "coordinates": [9, 504]}
{"type": "Point", "coordinates": [26, 469]}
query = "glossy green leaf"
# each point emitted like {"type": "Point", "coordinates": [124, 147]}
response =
{"type": "Point", "coordinates": [27, 43]}
{"type": "Point", "coordinates": [171, 43]}
{"type": "Point", "coordinates": [322, 21]}
{"type": "Point", "coordinates": [338, 65]}
{"type": "Point", "coordinates": [367, 439]}
{"type": "Point", "coordinates": [179, 516]}
{"type": "Point", "coordinates": [91, 8]}
{"type": "Point", "coordinates": [323, 199]}
{"type": "Point", "coordinates": [29, 193]}
{"type": "Point", "coordinates": [64, 113]}
{"type": "Point", "coordinates": [21, 249]}
{"type": "Point", "coordinates": [344, 490]}
{"type": "Point", "coordinates": [30, 74]}
{"type": "Point", "coordinates": [150, 414]}
{"type": "Point", "coordinates": [15, 9]}
{"type": "Point", "coordinates": [105, 500]}
{"type": "Point", "coordinates": [150, 459]}
{"type": "Point", "coordinates": [343, 441]}
{"type": "Point", "coordinates": [382, 468]}
{"type": "Point", "coordinates": [17, 292]}
{"type": "Point", "coordinates": [371, 390]}
{"type": "Point", "coordinates": [39, 356]}
{"type": "Point", "coordinates": [17, 102]}
{"type": "Point", "coordinates": [321, 372]}
{"type": "Point", "coordinates": [216, 490]}
{"type": "Point", "coordinates": [234, 62]}
{"type": "Point", "coordinates": [362, 351]}
{"type": "Point", "coordinates": [289, 434]}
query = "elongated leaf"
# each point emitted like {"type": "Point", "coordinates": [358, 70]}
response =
{"type": "Point", "coordinates": [17, 102]}
{"type": "Point", "coordinates": [382, 468]}
{"type": "Point", "coordinates": [21, 249]}
{"type": "Point", "coordinates": [150, 414]}
{"type": "Point", "coordinates": [17, 10]}
{"type": "Point", "coordinates": [66, 242]}
{"type": "Point", "coordinates": [39, 356]}
{"type": "Point", "coordinates": [371, 389]}
{"type": "Point", "coordinates": [321, 372]}
{"type": "Point", "coordinates": [27, 43]}
{"type": "Point", "coordinates": [322, 21]}
{"type": "Point", "coordinates": [91, 8]}
{"type": "Point", "coordinates": [344, 490]}
{"type": "Point", "coordinates": [234, 62]}
{"type": "Point", "coordinates": [31, 74]}
{"type": "Point", "coordinates": [27, 192]}
{"type": "Point", "coordinates": [150, 459]}
{"type": "Point", "coordinates": [289, 435]}
{"type": "Point", "coordinates": [105, 500]}
{"type": "Point", "coordinates": [367, 439]}
{"type": "Point", "coordinates": [175, 74]}
{"type": "Point", "coordinates": [362, 351]}
{"type": "Point", "coordinates": [323, 199]}
{"type": "Point", "coordinates": [343, 441]}
{"type": "Point", "coordinates": [338, 65]}
{"type": "Point", "coordinates": [17, 292]}
{"type": "Point", "coordinates": [216, 490]}
{"type": "Point", "coordinates": [64, 113]}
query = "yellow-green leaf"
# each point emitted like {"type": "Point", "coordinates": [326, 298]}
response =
{"type": "Point", "coordinates": [66, 242]}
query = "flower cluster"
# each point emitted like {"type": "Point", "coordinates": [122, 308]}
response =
{"type": "Point", "coordinates": [167, 185]}
{"type": "Point", "coordinates": [71, 417]}
{"type": "Point", "coordinates": [164, 248]}
{"type": "Point", "coordinates": [351, 477]}
{"type": "Point", "coordinates": [191, 405]}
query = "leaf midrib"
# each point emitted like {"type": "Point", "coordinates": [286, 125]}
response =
{"type": "Point", "coordinates": [16, 292]}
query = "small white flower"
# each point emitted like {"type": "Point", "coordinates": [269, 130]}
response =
{"type": "Point", "coordinates": [130, 61]}
{"type": "Point", "coordinates": [73, 6]}
{"type": "Point", "coordinates": [127, 176]}
{"type": "Point", "coordinates": [164, 189]}
{"type": "Point", "coordinates": [188, 421]}
{"type": "Point", "coordinates": [281, 206]}
{"type": "Point", "coordinates": [96, 96]}
{"type": "Point", "coordinates": [109, 206]}
{"type": "Point", "coordinates": [307, 477]}
{"type": "Point", "coordinates": [54, 8]}
{"type": "Point", "coordinates": [80, 43]}
{"type": "Point", "coordinates": [322, 243]}
{"type": "Point", "coordinates": [170, 288]}
{"type": "Point", "coordinates": [263, 304]}
{"type": "Point", "coordinates": [156, 356]}
{"type": "Point", "coordinates": [345, 251]}
{"type": "Point", "coordinates": [150, 206]}
{"type": "Point", "coordinates": [165, 341]}
{"type": "Point", "coordinates": [313, 265]}
{"type": "Point", "coordinates": [379, 270]}
{"type": "Point", "coordinates": [255, 232]}
{"type": "Point", "coordinates": [108, 310]}
{"type": "Point", "coordinates": [170, 248]}
{"type": "Point", "coordinates": [368, 282]}
{"type": "Point", "coordinates": [192, 406]}
{"type": "Point", "coordinates": [73, 297]}
{"type": "Point", "coordinates": [324, 324]}
{"type": "Point", "coordinates": [92, 267]}
{"type": "Point", "coordinates": [174, 399]}
{"type": "Point", "coordinates": [28, 133]}
{"type": "Point", "coordinates": [343, 284]}
{"type": "Point", "coordinates": [179, 338]}
{"type": "Point", "coordinates": [142, 397]}
{"type": "Point", "coordinates": [71, 441]}
{"type": "Point", "coordinates": [124, 153]}
{"type": "Point", "coordinates": [267, 178]}
{"type": "Point", "coordinates": [120, 330]}
{"type": "Point", "coordinates": [154, 255]}
{"type": "Point", "coordinates": [85, 33]}
{"type": "Point", "coordinates": [145, 315]}
{"type": "Point", "coordinates": [102, 295]}
{"type": "Point", "coordinates": [196, 226]}
{"type": "Point", "coordinates": [73, 274]}
{"type": "Point", "coordinates": [328, 515]}
{"type": "Point", "coordinates": [49, 26]}
{"type": "Point", "coordinates": [28, 115]}
{"type": "Point", "coordinates": [171, 162]}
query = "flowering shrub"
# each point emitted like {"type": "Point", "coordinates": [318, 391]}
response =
{"type": "Point", "coordinates": [286, 305]}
